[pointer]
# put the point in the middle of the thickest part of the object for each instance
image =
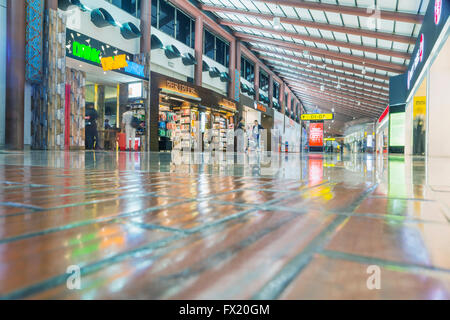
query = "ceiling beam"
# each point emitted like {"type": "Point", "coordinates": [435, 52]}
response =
{"type": "Point", "coordinates": [343, 78]}
{"type": "Point", "coordinates": [342, 44]}
{"type": "Point", "coordinates": [350, 10]}
{"type": "Point", "coordinates": [338, 107]}
{"type": "Point", "coordinates": [372, 102]}
{"type": "Point", "coordinates": [316, 63]}
{"type": "Point", "coordinates": [332, 98]}
{"type": "Point", "coordinates": [316, 25]}
{"type": "Point", "coordinates": [326, 54]}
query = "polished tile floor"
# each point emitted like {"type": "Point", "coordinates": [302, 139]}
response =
{"type": "Point", "coordinates": [200, 226]}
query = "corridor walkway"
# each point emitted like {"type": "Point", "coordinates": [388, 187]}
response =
{"type": "Point", "coordinates": [174, 226]}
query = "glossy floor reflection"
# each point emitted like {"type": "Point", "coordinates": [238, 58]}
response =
{"type": "Point", "coordinates": [201, 226]}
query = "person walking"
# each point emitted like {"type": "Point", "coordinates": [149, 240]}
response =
{"type": "Point", "coordinates": [91, 132]}
{"type": "Point", "coordinates": [130, 131]}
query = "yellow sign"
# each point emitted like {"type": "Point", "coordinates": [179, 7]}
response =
{"type": "Point", "coordinates": [317, 116]}
{"type": "Point", "coordinates": [330, 139]}
{"type": "Point", "coordinates": [420, 106]}
{"type": "Point", "coordinates": [114, 63]}
{"type": "Point", "coordinates": [181, 88]}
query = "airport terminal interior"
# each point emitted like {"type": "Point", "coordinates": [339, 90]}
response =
{"type": "Point", "coordinates": [225, 149]}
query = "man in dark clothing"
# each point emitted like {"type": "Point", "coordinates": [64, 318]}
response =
{"type": "Point", "coordinates": [91, 132]}
{"type": "Point", "coordinates": [107, 125]}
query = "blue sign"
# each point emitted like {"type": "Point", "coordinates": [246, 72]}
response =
{"type": "Point", "coordinates": [135, 69]}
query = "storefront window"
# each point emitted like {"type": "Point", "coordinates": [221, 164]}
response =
{"type": "Point", "coordinates": [263, 81]}
{"type": "Point", "coordinates": [155, 13]}
{"type": "Point", "coordinates": [216, 49]}
{"type": "Point", "coordinates": [276, 90]}
{"type": "Point", "coordinates": [131, 6]}
{"type": "Point", "coordinates": [247, 70]}
{"type": "Point", "coordinates": [174, 22]}
{"type": "Point", "coordinates": [183, 28]}
{"type": "Point", "coordinates": [209, 45]}
{"type": "Point", "coordinates": [166, 18]}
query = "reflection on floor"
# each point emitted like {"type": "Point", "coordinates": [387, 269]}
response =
{"type": "Point", "coordinates": [195, 226]}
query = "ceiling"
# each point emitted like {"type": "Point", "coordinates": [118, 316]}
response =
{"type": "Point", "coordinates": [333, 54]}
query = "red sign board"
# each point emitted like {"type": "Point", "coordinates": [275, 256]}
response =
{"type": "Point", "coordinates": [316, 134]}
{"type": "Point", "coordinates": [384, 114]}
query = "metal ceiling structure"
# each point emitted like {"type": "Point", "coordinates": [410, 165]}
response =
{"type": "Point", "coordinates": [333, 54]}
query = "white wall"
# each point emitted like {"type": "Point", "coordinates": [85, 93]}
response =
{"type": "Point", "coordinates": [81, 21]}
{"type": "Point", "coordinates": [2, 69]}
{"type": "Point", "coordinates": [171, 67]}
{"type": "Point", "coordinates": [439, 105]}
{"type": "Point", "coordinates": [214, 83]}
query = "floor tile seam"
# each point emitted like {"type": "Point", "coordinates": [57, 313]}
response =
{"type": "Point", "coordinates": [275, 286]}
{"type": "Point", "coordinates": [417, 268]}
{"type": "Point", "coordinates": [91, 221]}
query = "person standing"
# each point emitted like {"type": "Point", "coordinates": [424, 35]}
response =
{"type": "Point", "coordinates": [91, 131]}
{"type": "Point", "coordinates": [257, 132]}
{"type": "Point", "coordinates": [130, 131]}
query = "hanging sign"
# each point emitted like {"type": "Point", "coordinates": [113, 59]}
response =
{"type": "Point", "coordinates": [317, 116]}
{"type": "Point", "coordinates": [437, 11]}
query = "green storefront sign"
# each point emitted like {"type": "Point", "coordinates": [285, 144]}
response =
{"type": "Point", "coordinates": [85, 52]}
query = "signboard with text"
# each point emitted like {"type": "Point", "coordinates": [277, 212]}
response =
{"type": "Point", "coordinates": [316, 134]}
{"type": "Point", "coordinates": [317, 116]}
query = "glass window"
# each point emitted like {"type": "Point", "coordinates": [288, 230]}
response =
{"type": "Point", "coordinates": [276, 90]}
{"type": "Point", "coordinates": [209, 45]}
{"type": "Point", "coordinates": [155, 13]}
{"type": "Point", "coordinates": [130, 6]}
{"type": "Point", "coordinates": [263, 81]}
{"type": "Point", "coordinates": [183, 28]}
{"type": "Point", "coordinates": [166, 18]}
{"type": "Point", "coordinates": [227, 55]}
{"type": "Point", "coordinates": [220, 51]}
{"type": "Point", "coordinates": [192, 34]}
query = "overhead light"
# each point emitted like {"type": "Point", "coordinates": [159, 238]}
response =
{"type": "Point", "coordinates": [364, 68]}
{"type": "Point", "coordinates": [276, 23]}
{"type": "Point", "coordinates": [339, 84]}
{"type": "Point", "coordinates": [359, 103]}
{"type": "Point", "coordinates": [332, 110]}
{"type": "Point", "coordinates": [322, 87]}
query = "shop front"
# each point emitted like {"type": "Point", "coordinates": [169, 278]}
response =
{"type": "Point", "coordinates": [188, 117]}
{"type": "Point", "coordinates": [425, 86]}
{"type": "Point", "coordinates": [382, 132]}
{"type": "Point", "coordinates": [109, 80]}
{"type": "Point", "coordinates": [255, 111]}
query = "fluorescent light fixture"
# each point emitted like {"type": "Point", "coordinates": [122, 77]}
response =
{"type": "Point", "coordinates": [276, 23]}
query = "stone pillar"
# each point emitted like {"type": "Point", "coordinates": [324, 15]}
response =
{"type": "Point", "coordinates": [232, 68]}
{"type": "Point", "coordinates": [15, 74]}
{"type": "Point", "coordinates": [198, 50]}
{"type": "Point", "coordinates": [51, 4]}
{"type": "Point", "coordinates": [146, 21]}
{"type": "Point", "coordinates": [256, 82]}
{"type": "Point", "coordinates": [282, 93]}
{"type": "Point", "coordinates": [270, 91]}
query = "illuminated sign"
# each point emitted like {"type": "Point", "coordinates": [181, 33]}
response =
{"type": "Point", "coordinates": [330, 139]}
{"type": "Point", "coordinates": [316, 134]}
{"type": "Point", "coordinates": [135, 69]}
{"type": "Point", "coordinates": [397, 129]}
{"type": "Point", "coordinates": [437, 11]}
{"type": "Point", "coordinates": [317, 116]}
{"type": "Point", "coordinates": [384, 114]}
{"type": "Point", "coordinates": [417, 59]}
{"type": "Point", "coordinates": [260, 107]}
{"type": "Point", "coordinates": [114, 63]}
{"type": "Point", "coordinates": [227, 104]}
{"type": "Point", "coordinates": [181, 88]}
{"type": "Point", "coordinates": [85, 52]}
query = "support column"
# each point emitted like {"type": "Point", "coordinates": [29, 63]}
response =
{"type": "Point", "coordinates": [232, 70]}
{"type": "Point", "coordinates": [146, 20]}
{"type": "Point", "coordinates": [282, 94]}
{"type": "Point", "coordinates": [270, 91]}
{"type": "Point", "coordinates": [15, 74]}
{"type": "Point", "coordinates": [51, 4]}
{"type": "Point", "coordinates": [198, 50]}
{"type": "Point", "coordinates": [256, 81]}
